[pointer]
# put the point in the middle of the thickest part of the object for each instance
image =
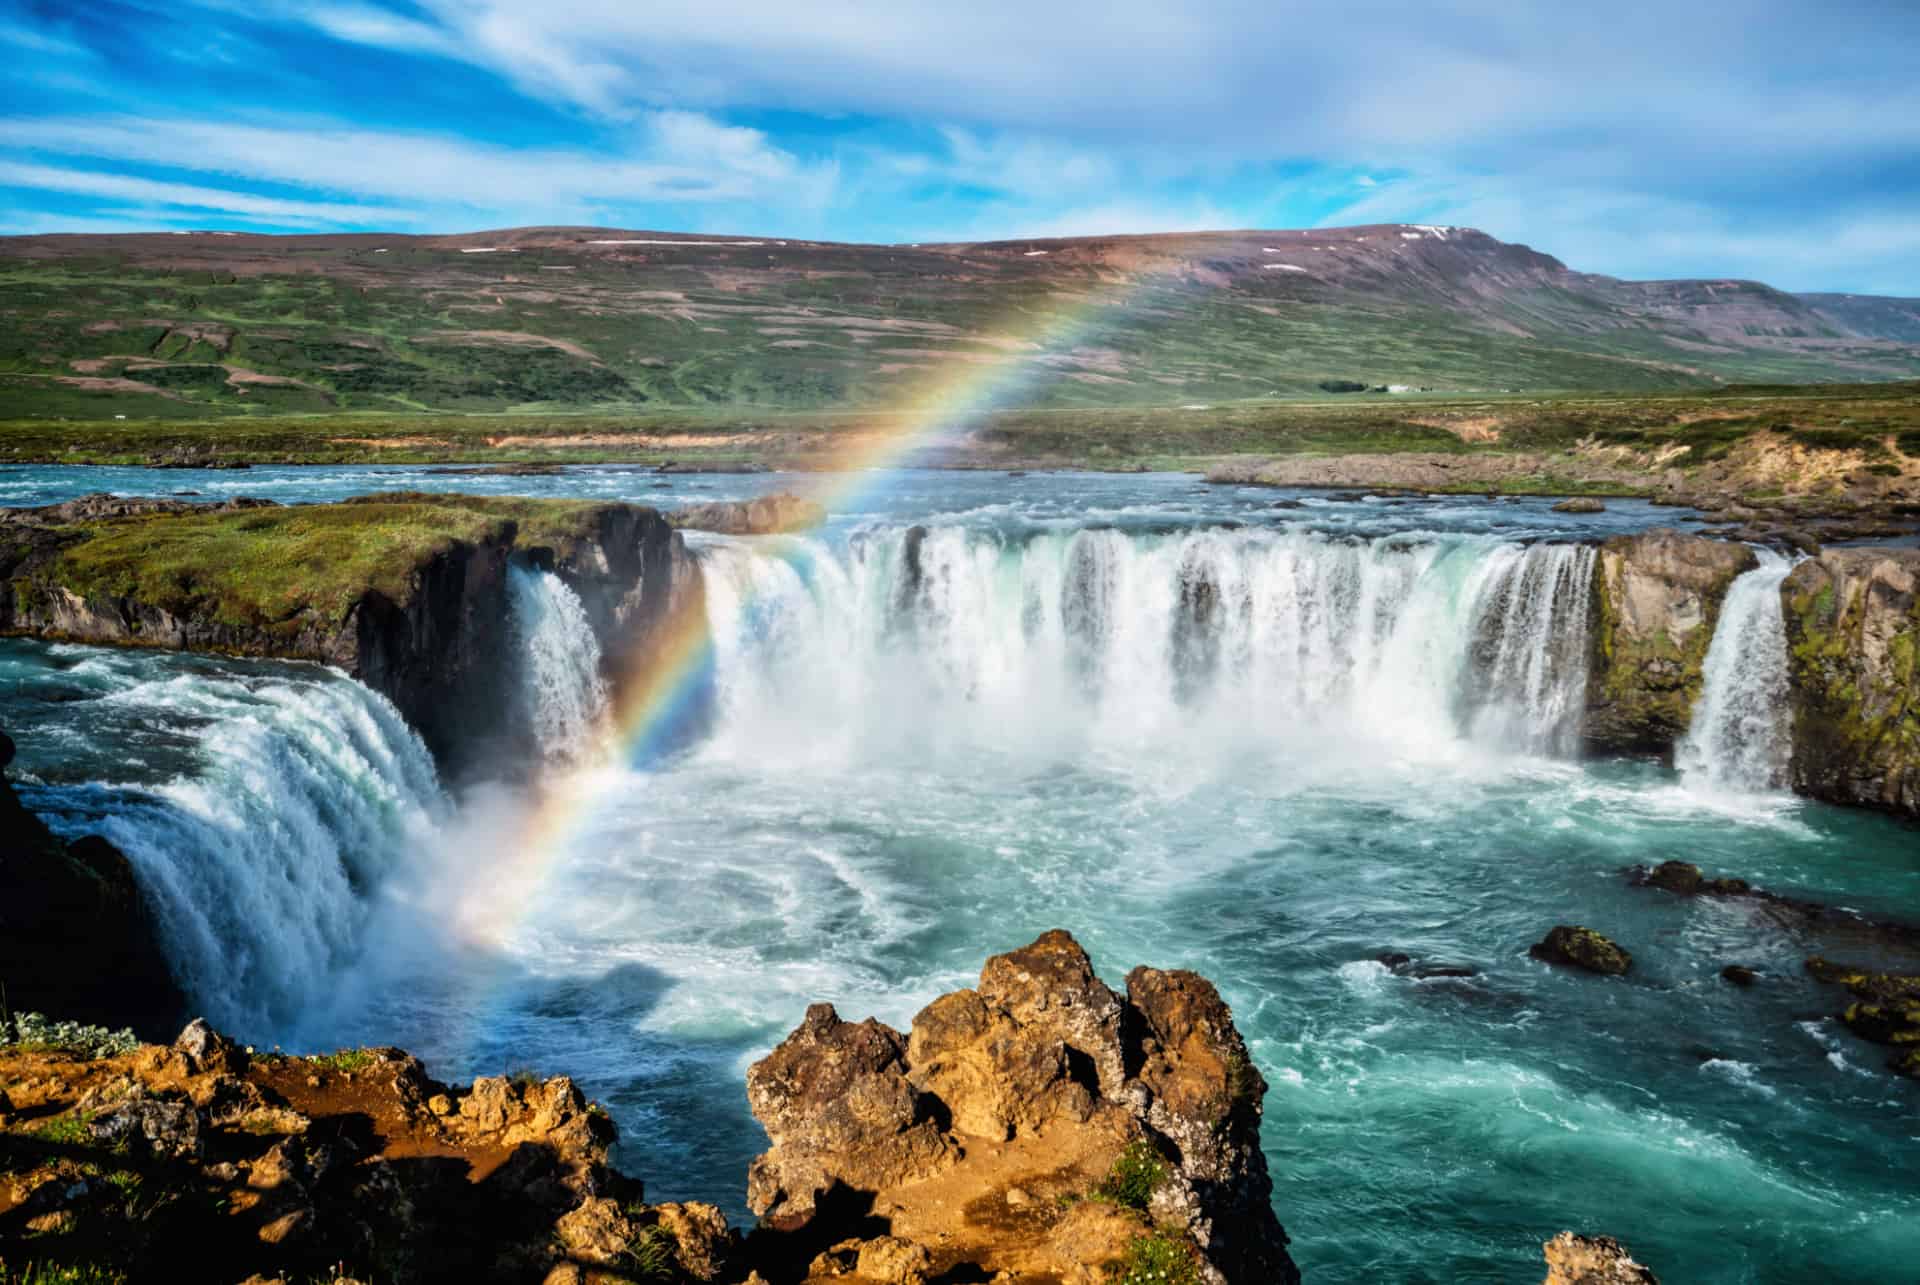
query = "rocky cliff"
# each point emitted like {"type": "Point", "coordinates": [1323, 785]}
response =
{"type": "Point", "coordinates": [1040, 1126]}
{"type": "Point", "coordinates": [407, 592]}
{"type": "Point", "coordinates": [75, 938]}
{"type": "Point", "coordinates": [1853, 631]}
{"type": "Point", "coordinates": [1656, 598]}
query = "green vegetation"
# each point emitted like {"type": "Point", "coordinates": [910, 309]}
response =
{"type": "Point", "coordinates": [61, 1274]}
{"type": "Point", "coordinates": [280, 569]}
{"type": "Point", "coordinates": [1137, 1173]}
{"type": "Point", "coordinates": [343, 1062]}
{"type": "Point", "coordinates": [1677, 429]}
{"type": "Point", "coordinates": [272, 327]}
{"type": "Point", "coordinates": [1156, 1259]}
{"type": "Point", "coordinates": [66, 1131]}
{"type": "Point", "coordinates": [653, 1256]}
{"type": "Point", "coordinates": [41, 1034]}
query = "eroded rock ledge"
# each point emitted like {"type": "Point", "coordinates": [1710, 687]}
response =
{"type": "Point", "coordinates": [1041, 1125]}
{"type": "Point", "coordinates": [406, 591]}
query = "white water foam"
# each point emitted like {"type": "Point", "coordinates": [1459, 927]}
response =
{"type": "Point", "coordinates": [306, 794]}
{"type": "Point", "coordinates": [564, 694]}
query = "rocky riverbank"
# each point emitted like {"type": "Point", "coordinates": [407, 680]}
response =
{"type": "Point", "coordinates": [407, 592]}
{"type": "Point", "coordinates": [1039, 1129]}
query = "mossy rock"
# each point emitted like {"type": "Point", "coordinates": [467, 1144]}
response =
{"type": "Point", "coordinates": [1576, 947]}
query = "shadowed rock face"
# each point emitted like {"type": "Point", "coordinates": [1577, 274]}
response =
{"type": "Point", "coordinates": [75, 936]}
{"type": "Point", "coordinates": [1656, 598]}
{"type": "Point", "coordinates": [1853, 637]}
{"type": "Point", "coordinates": [976, 1136]}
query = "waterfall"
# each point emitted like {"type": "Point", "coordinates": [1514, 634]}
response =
{"type": "Point", "coordinates": [1533, 631]}
{"type": "Point", "coordinates": [285, 795]}
{"type": "Point", "coordinates": [561, 685]}
{"type": "Point", "coordinates": [1741, 737]}
{"type": "Point", "coordinates": [1118, 641]}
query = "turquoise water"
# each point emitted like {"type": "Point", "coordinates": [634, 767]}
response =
{"type": "Point", "coordinates": [1311, 761]}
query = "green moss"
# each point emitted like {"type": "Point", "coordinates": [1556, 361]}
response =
{"type": "Point", "coordinates": [285, 569]}
{"type": "Point", "coordinates": [267, 567]}
{"type": "Point", "coordinates": [67, 1130]}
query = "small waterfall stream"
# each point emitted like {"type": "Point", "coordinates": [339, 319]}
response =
{"type": "Point", "coordinates": [1741, 736]}
{"type": "Point", "coordinates": [562, 688]}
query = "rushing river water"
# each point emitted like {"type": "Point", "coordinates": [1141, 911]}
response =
{"type": "Point", "coordinates": [1198, 730]}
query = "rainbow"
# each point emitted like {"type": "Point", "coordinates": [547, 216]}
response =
{"type": "Point", "coordinates": [659, 693]}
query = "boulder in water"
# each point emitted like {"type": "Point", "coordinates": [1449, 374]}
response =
{"type": "Point", "coordinates": [1577, 947]}
{"type": "Point", "coordinates": [1887, 1010]}
{"type": "Point", "coordinates": [1684, 878]}
{"type": "Point", "coordinates": [1592, 1260]}
{"type": "Point", "coordinates": [1580, 504]}
{"type": "Point", "coordinates": [1739, 975]}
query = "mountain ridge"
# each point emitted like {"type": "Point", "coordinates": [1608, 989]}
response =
{"type": "Point", "coordinates": [168, 323]}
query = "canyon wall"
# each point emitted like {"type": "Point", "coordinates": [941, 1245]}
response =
{"type": "Point", "coordinates": [1656, 599]}
{"type": "Point", "coordinates": [1853, 631]}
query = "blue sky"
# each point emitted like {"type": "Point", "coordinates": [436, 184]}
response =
{"type": "Point", "coordinates": [1765, 138]}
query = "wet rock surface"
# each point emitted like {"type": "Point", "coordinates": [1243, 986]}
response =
{"type": "Point", "coordinates": [1886, 1009]}
{"type": "Point", "coordinates": [1575, 947]}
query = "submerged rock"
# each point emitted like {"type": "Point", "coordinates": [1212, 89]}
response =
{"type": "Point", "coordinates": [1592, 1260]}
{"type": "Point", "coordinates": [1739, 975]}
{"type": "Point", "coordinates": [1581, 948]}
{"type": "Point", "coordinates": [1005, 1105]}
{"type": "Point", "coordinates": [1887, 1010]}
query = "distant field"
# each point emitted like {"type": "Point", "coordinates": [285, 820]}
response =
{"type": "Point", "coordinates": [1878, 422]}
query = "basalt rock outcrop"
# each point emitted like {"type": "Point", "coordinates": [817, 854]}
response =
{"type": "Point", "coordinates": [75, 935]}
{"type": "Point", "coordinates": [199, 1161]}
{"type": "Point", "coordinates": [407, 592]}
{"type": "Point", "coordinates": [1853, 635]}
{"type": "Point", "coordinates": [1656, 598]}
{"type": "Point", "coordinates": [1039, 1125]}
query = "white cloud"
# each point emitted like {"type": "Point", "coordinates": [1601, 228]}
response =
{"type": "Point", "coordinates": [123, 187]}
{"type": "Point", "coordinates": [674, 156]}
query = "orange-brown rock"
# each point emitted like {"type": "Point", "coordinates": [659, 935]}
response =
{"type": "Point", "coordinates": [1592, 1260]}
{"type": "Point", "coordinates": [990, 1135]}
